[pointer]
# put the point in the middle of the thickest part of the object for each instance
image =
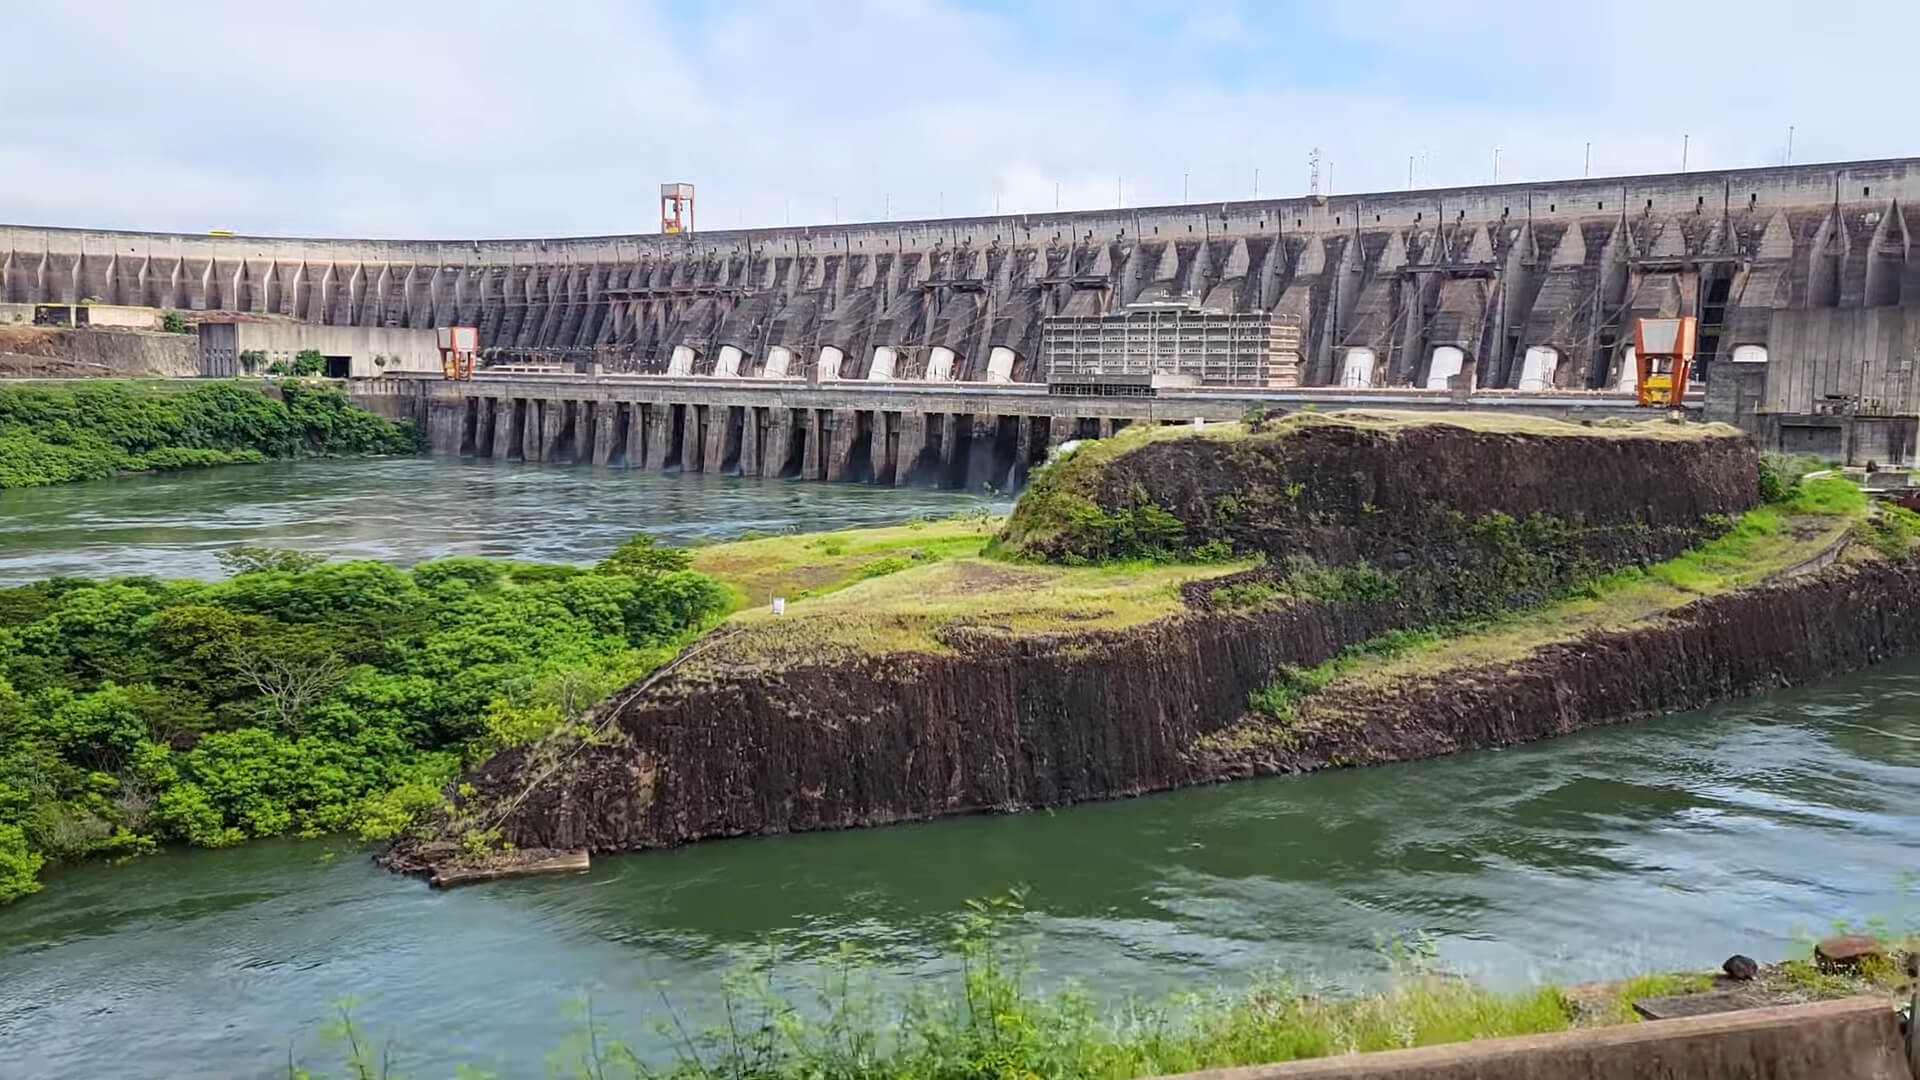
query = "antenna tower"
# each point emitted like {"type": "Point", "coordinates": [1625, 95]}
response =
{"type": "Point", "coordinates": [1313, 172]}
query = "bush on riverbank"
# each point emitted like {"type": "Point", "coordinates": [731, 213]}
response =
{"type": "Point", "coordinates": [51, 435]}
{"type": "Point", "coordinates": [299, 698]}
{"type": "Point", "coordinates": [990, 1021]}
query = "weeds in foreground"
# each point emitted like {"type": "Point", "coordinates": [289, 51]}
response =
{"type": "Point", "coordinates": [989, 1022]}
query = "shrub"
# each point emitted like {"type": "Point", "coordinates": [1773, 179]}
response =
{"type": "Point", "coordinates": [1245, 594]}
{"type": "Point", "coordinates": [301, 696]}
{"type": "Point", "coordinates": [1894, 531]}
{"type": "Point", "coordinates": [19, 865]}
{"type": "Point", "coordinates": [50, 435]}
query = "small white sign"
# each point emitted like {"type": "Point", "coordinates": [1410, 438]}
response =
{"type": "Point", "coordinates": [1199, 422]}
{"type": "Point", "coordinates": [779, 605]}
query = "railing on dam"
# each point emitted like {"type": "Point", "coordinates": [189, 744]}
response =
{"type": "Point", "coordinates": [900, 395]}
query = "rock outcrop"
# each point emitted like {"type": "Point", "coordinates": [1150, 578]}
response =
{"type": "Point", "coordinates": [1005, 722]}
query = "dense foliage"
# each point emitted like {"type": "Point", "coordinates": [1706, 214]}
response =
{"type": "Point", "coordinates": [301, 697]}
{"type": "Point", "coordinates": [305, 362]}
{"type": "Point", "coordinates": [49, 435]}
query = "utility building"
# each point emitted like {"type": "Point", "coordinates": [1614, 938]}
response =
{"type": "Point", "coordinates": [1193, 346]}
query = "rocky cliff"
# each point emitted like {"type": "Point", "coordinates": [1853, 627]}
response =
{"type": "Point", "coordinates": [1399, 490]}
{"type": "Point", "coordinates": [34, 352]}
{"type": "Point", "coordinates": [731, 745]}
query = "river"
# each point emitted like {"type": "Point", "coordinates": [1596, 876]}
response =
{"type": "Point", "coordinates": [405, 510]}
{"type": "Point", "coordinates": [1749, 827]}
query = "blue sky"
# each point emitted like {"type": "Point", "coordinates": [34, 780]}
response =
{"type": "Point", "coordinates": [457, 118]}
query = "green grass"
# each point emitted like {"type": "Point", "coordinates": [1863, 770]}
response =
{"type": "Point", "coordinates": [988, 1020]}
{"type": "Point", "coordinates": [1766, 541]}
{"type": "Point", "coordinates": [920, 608]}
{"type": "Point", "coordinates": [803, 565]}
{"type": "Point", "coordinates": [909, 587]}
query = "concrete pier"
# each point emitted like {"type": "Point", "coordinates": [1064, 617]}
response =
{"type": "Point", "coordinates": [953, 437]}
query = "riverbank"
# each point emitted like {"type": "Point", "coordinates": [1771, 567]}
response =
{"type": "Point", "coordinates": [59, 433]}
{"type": "Point", "coordinates": [1748, 827]}
{"type": "Point", "coordinates": [990, 1018]}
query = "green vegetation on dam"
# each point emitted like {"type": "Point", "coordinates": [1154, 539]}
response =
{"type": "Point", "coordinates": [52, 434]}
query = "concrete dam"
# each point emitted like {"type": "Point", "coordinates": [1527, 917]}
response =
{"type": "Point", "coordinates": [1802, 278]}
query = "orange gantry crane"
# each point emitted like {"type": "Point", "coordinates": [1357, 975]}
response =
{"type": "Point", "coordinates": [458, 347]}
{"type": "Point", "coordinates": [1664, 350]}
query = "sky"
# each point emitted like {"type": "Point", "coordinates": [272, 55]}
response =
{"type": "Point", "coordinates": [477, 118]}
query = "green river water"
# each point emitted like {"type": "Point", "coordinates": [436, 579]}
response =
{"type": "Point", "coordinates": [1748, 827]}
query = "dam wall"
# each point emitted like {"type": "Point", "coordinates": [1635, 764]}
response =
{"type": "Point", "coordinates": [1523, 286]}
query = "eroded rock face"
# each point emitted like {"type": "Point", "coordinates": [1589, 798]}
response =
{"type": "Point", "coordinates": [1114, 715]}
{"type": "Point", "coordinates": [1005, 723]}
{"type": "Point", "coordinates": [1403, 498]}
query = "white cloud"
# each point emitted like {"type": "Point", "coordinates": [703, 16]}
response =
{"type": "Point", "coordinates": [482, 117]}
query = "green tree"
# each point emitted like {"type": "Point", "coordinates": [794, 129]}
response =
{"type": "Point", "coordinates": [644, 554]}
{"type": "Point", "coordinates": [302, 696]}
{"type": "Point", "coordinates": [51, 435]}
{"type": "Point", "coordinates": [247, 558]}
{"type": "Point", "coordinates": [19, 865]}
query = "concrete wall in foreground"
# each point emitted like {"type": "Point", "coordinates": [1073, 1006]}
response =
{"type": "Point", "coordinates": [1388, 278]}
{"type": "Point", "coordinates": [1855, 1039]}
